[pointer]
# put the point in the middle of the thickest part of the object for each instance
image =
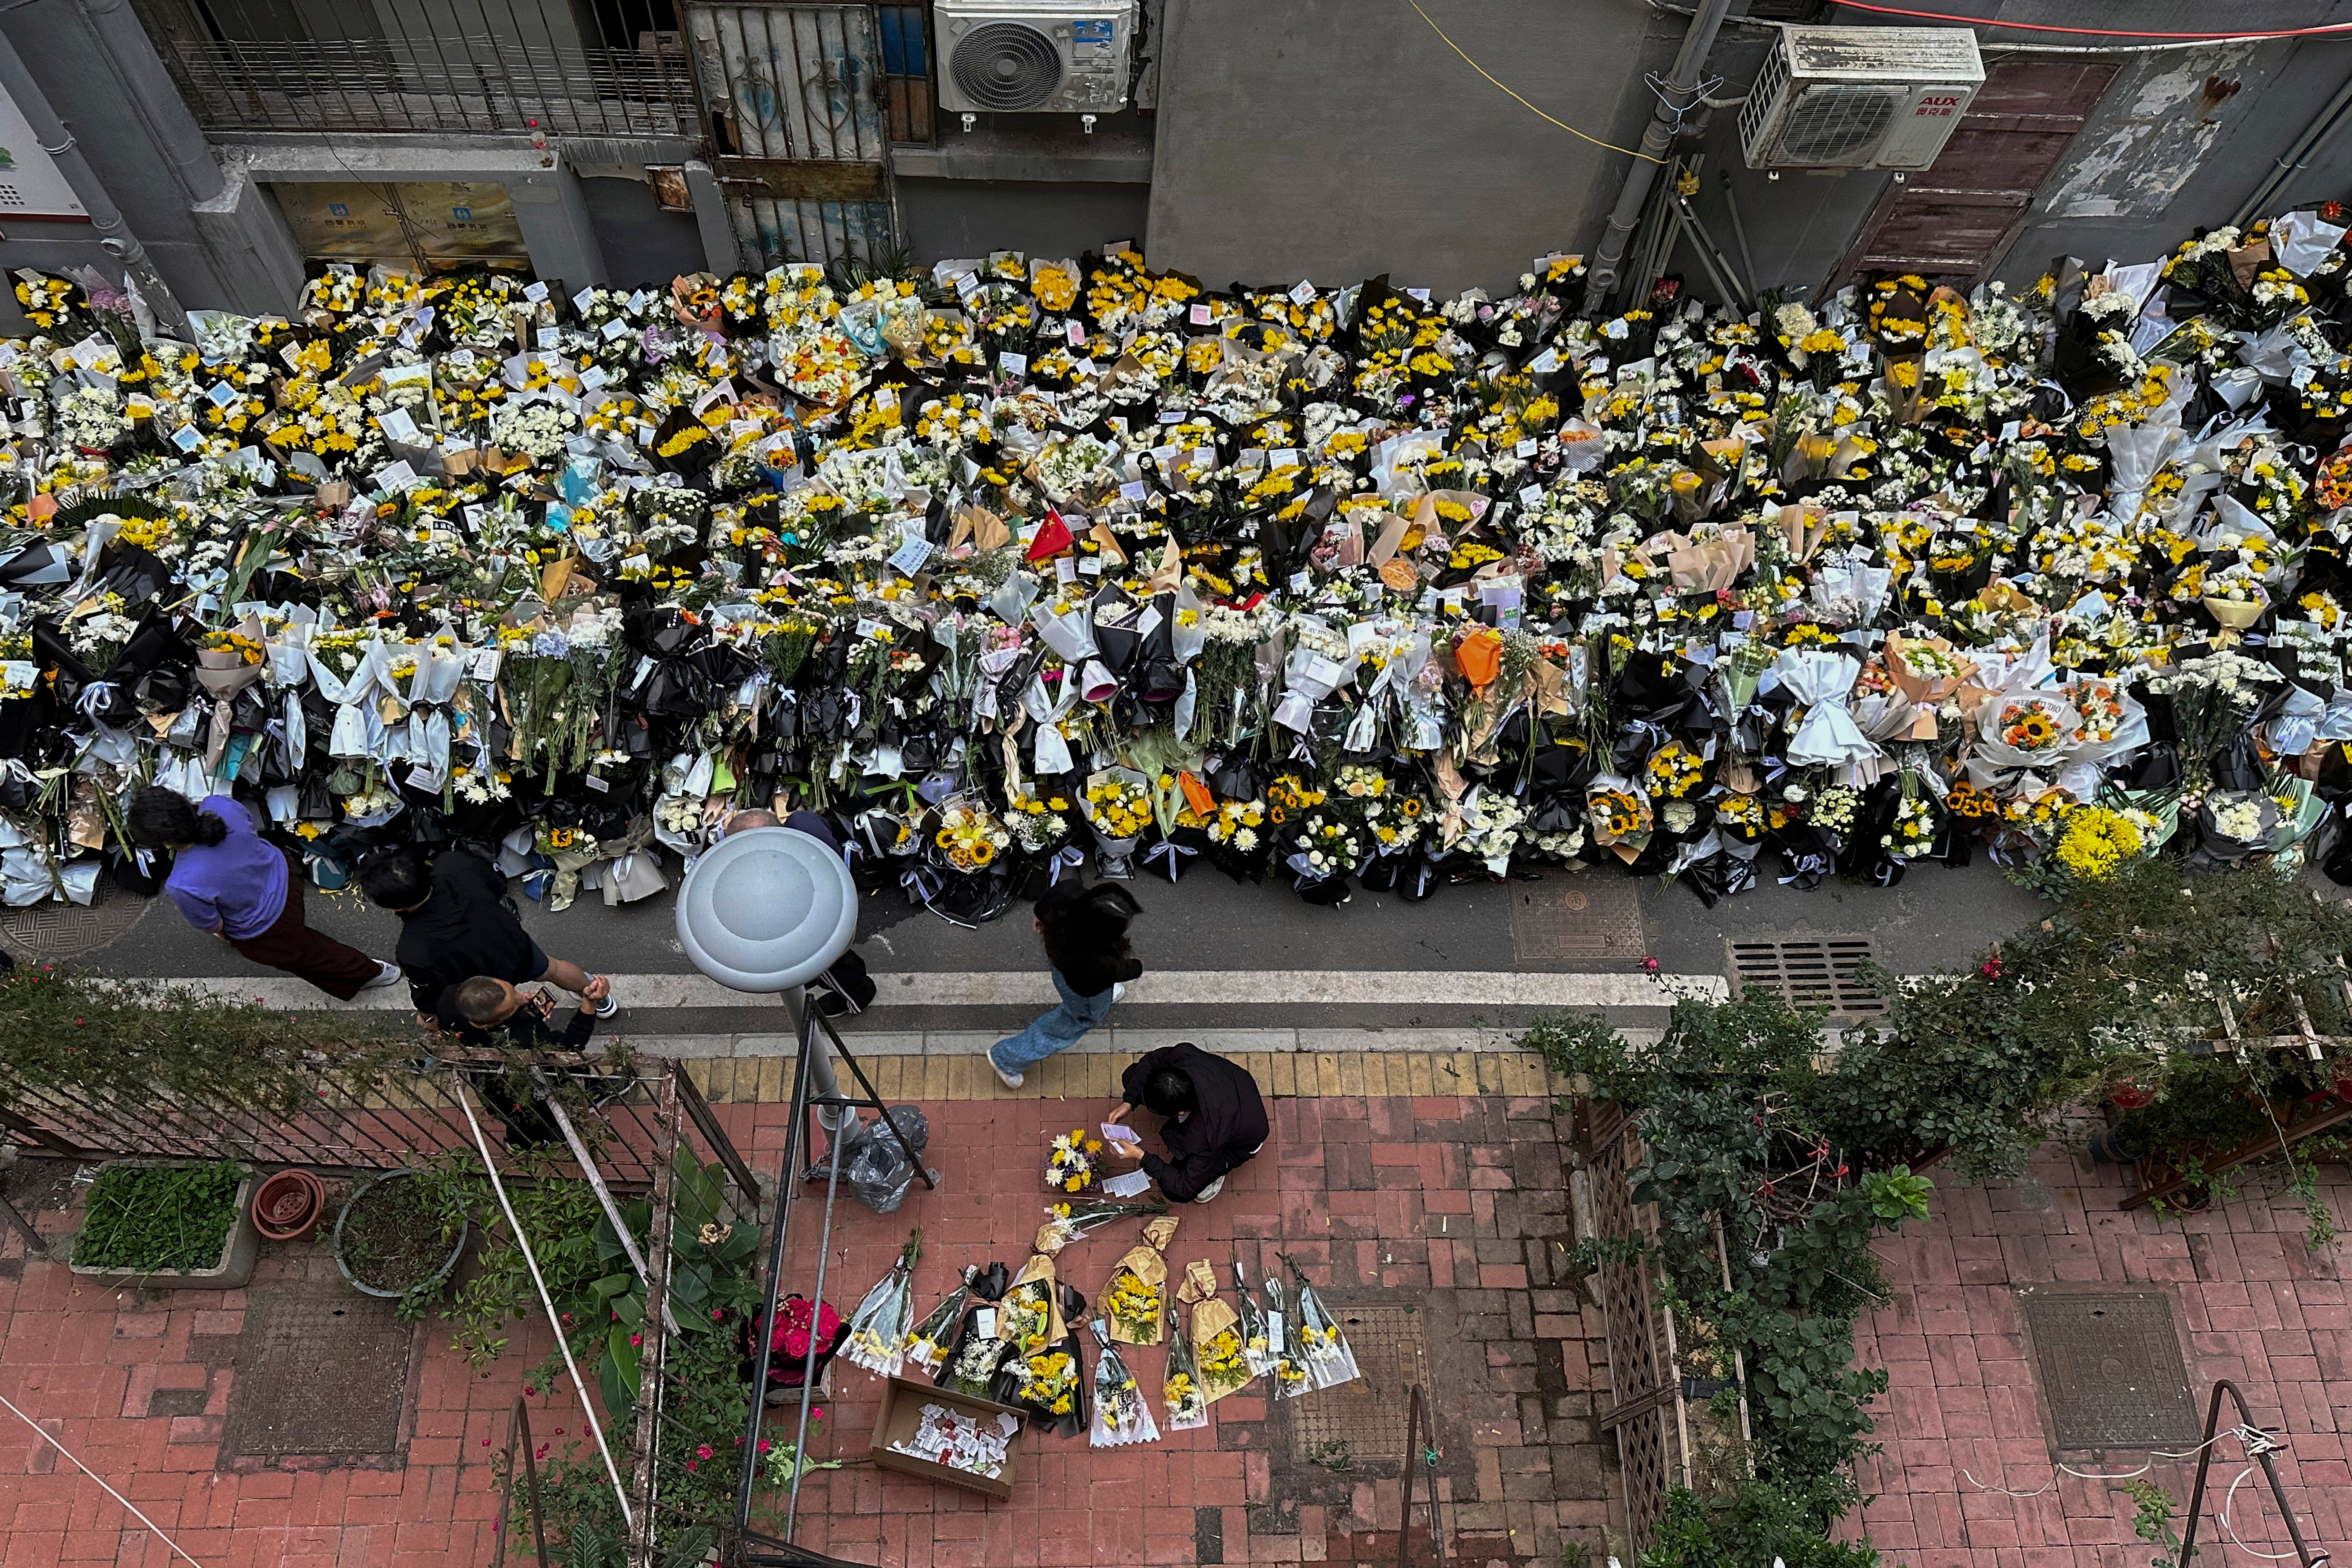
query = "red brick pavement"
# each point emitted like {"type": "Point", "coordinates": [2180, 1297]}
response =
{"type": "Point", "coordinates": [1963, 1414]}
{"type": "Point", "coordinates": [1456, 1206]}
{"type": "Point", "coordinates": [1445, 1202]}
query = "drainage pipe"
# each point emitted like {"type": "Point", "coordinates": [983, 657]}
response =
{"type": "Point", "coordinates": [57, 138]}
{"type": "Point", "coordinates": [1678, 96]}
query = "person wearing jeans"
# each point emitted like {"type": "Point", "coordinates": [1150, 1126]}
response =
{"type": "Point", "coordinates": [1084, 930]}
{"type": "Point", "coordinates": [229, 881]}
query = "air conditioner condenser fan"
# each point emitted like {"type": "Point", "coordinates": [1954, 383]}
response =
{"type": "Point", "coordinates": [1007, 66]}
{"type": "Point", "coordinates": [1836, 123]}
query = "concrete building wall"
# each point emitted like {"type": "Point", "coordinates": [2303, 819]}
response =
{"type": "Point", "coordinates": [1321, 139]}
{"type": "Point", "coordinates": [1334, 139]}
{"type": "Point", "coordinates": [641, 242]}
{"type": "Point", "coordinates": [2158, 159]}
{"type": "Point", "coordinates": [944, 218]}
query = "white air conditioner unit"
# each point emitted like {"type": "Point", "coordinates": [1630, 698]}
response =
{"type": "Point", "coordinates": [1859, 98]}
{"type": "Point", "coordinates": [1033, 56]}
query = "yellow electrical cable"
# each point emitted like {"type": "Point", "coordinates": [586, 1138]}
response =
{"type": "Point", "coordinates": [1482, 70]}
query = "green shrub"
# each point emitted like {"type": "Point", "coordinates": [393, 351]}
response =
{"type": "Point", "coordinates": [145, 1219]}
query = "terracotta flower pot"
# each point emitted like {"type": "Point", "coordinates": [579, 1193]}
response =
{"type": "Point", "coordinates": [289, 1206]}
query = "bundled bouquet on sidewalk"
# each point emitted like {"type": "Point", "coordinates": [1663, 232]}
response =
{"type": "Point", "coordinates": [799, 1326]}
{"type": "Point", "coordinates": [928, 1343]}
{"type": "Point", "coordinates": [1049, 1379]}
{"type": "Point", "coordinates": [1070, 1164]}
{"type": "Point", "coordinates": [1118, 802]}
{"type": "Point", "coordinates": [1282, 1347]}
{"type": "Point", "coordinates": [878, 1330]}
{"type": "Point", "coordinates": [1122, 1415]}
{"type": "Point", "coordinates": [1255, 1342]}
{"type": "Point", "coordinates": [1188, 1404]}
{"type": "Point", "coordinates": [1066, 1222]}
{"type": "Point", "coordinates": [970, 1364]}
{"type": "Point", "coordinates": [1331, 1361]}
{"type": "Point", "coordinates": [1217, 1351]}
{"type": "Point", "coordinates": [1138, 1289]}
{"type": "Point", "coordinates": [1029, 1317]}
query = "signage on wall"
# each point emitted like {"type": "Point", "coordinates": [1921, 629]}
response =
{"type": "Point", "coordinates": [30, 185]}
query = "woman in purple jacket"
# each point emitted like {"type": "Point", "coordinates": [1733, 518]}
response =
{"type": "Point", "coordinates": [229, 881]}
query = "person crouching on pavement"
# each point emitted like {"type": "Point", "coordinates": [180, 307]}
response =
{"type": "Point", "coordinates": [1216, 1120]}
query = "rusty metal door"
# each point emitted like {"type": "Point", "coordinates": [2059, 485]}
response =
{"type": "Point", "coordinates": [792, 97]}
{"type": "Point", "coordinates": [1643, 1387]}
{"type": "Point", "coordinates": [1958, 218]}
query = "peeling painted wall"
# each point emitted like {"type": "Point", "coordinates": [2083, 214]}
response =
{"type": "Point", "coordinates": [2135, 164]}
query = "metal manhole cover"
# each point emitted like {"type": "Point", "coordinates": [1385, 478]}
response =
{"type": "Point", "coordinates": [1810, 971]}
{"type": "Point", "coordinates": [1587, 919]}
{"type": "Point", "coordinates": [320, 1371]}
{"type": "Point", "coordinates": [2111, 1370]}
{"type": "Point", "coordinates": [1368, 1415]}
{"type": "Point", "coordinates": [55, 928]}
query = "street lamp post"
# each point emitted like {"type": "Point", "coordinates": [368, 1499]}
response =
{"type": "Point", "coordinates": [766, 911]}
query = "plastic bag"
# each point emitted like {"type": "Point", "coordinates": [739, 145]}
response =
{"type": "Point", "coordinates": [874, 1167]}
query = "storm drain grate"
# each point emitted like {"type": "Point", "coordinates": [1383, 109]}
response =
{"type": "Point", "coordinates": [1810, 971]}
{"type": "Point", "coordinates": [2111, 1370]}
{"type": "Point", "coordinates": [1570, 918]}
{"type": "Point", "coordinates": [1366, 1415]}
{"type": "Point", "coordinates": [56, 929]}
{"type": "Point", "coordinates": [322, 1371]}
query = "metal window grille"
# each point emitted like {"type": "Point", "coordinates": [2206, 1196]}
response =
{"type": "Point", "coordinates": [907, 97]}
{"type": "Point", "coordinates": [497, 65]}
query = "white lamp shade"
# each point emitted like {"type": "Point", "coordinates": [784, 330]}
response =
{"type": "Point", "coordinates": [768, 909]}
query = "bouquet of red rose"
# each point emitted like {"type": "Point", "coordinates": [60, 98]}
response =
{"type": "Point", "coordinates": [798, 1321]}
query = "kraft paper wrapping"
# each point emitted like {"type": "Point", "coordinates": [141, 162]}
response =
{"type": "Point", "coordinates": [1143, 1261]}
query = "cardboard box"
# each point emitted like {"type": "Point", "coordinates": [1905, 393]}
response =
{"type": "Point", "coordinates": [902, 1411]}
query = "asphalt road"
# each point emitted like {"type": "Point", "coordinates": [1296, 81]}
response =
{"type": "Point", "coordinates": [1936, 917]}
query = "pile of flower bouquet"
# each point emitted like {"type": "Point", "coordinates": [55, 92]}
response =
{"type": "Point", "coordinates": [1018, 560]}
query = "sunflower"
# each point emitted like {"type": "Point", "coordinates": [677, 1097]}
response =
{"type": "Point", "coordinates": [2032, 732]}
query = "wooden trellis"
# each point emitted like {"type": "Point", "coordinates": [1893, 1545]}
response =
{"type": "Point", "coordinates": [2159, 1180]}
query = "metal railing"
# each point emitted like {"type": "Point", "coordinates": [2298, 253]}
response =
{"type": "Point", "coordinates": [811, 1098]}
{"type": "Point", "coordinates": [475, 82]}
{"type": "Point", "coordinates": [373, 1117]}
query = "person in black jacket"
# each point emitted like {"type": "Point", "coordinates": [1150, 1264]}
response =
{"type": "Point", "coordinates": [488, 1004]}
{"type": "Point", "coordinates": [1085, 941]}
{"type": "Point", "coordinates": [1216, 1118]}
{"type": "Point", "coordinates": [455, 924]}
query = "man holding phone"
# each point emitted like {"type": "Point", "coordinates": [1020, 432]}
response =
{"type": "Point", "coordinates": [1216, 1120]}
{"type": "Point", "coordinates": [486, 1003]}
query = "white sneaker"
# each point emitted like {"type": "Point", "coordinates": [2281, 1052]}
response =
{"type": "Point", "coordinates": [1118, 990]}
{"type": "Point", "coordinates": [385, 974]}
{"type": "Point", "coordinates": [1210, 1190]}
{"type": "Point", "coordinates": [1009, 1079]}
{"type": "Point", "coordinates": [609, 1006]}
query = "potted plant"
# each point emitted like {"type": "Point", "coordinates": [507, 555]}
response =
{"type": "Point", "coordinates": [179, 1224]}
{"type": "Point", "coordinates": [289, 1205]}
{"type": "Point", "coordinates": [398, 1236]}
